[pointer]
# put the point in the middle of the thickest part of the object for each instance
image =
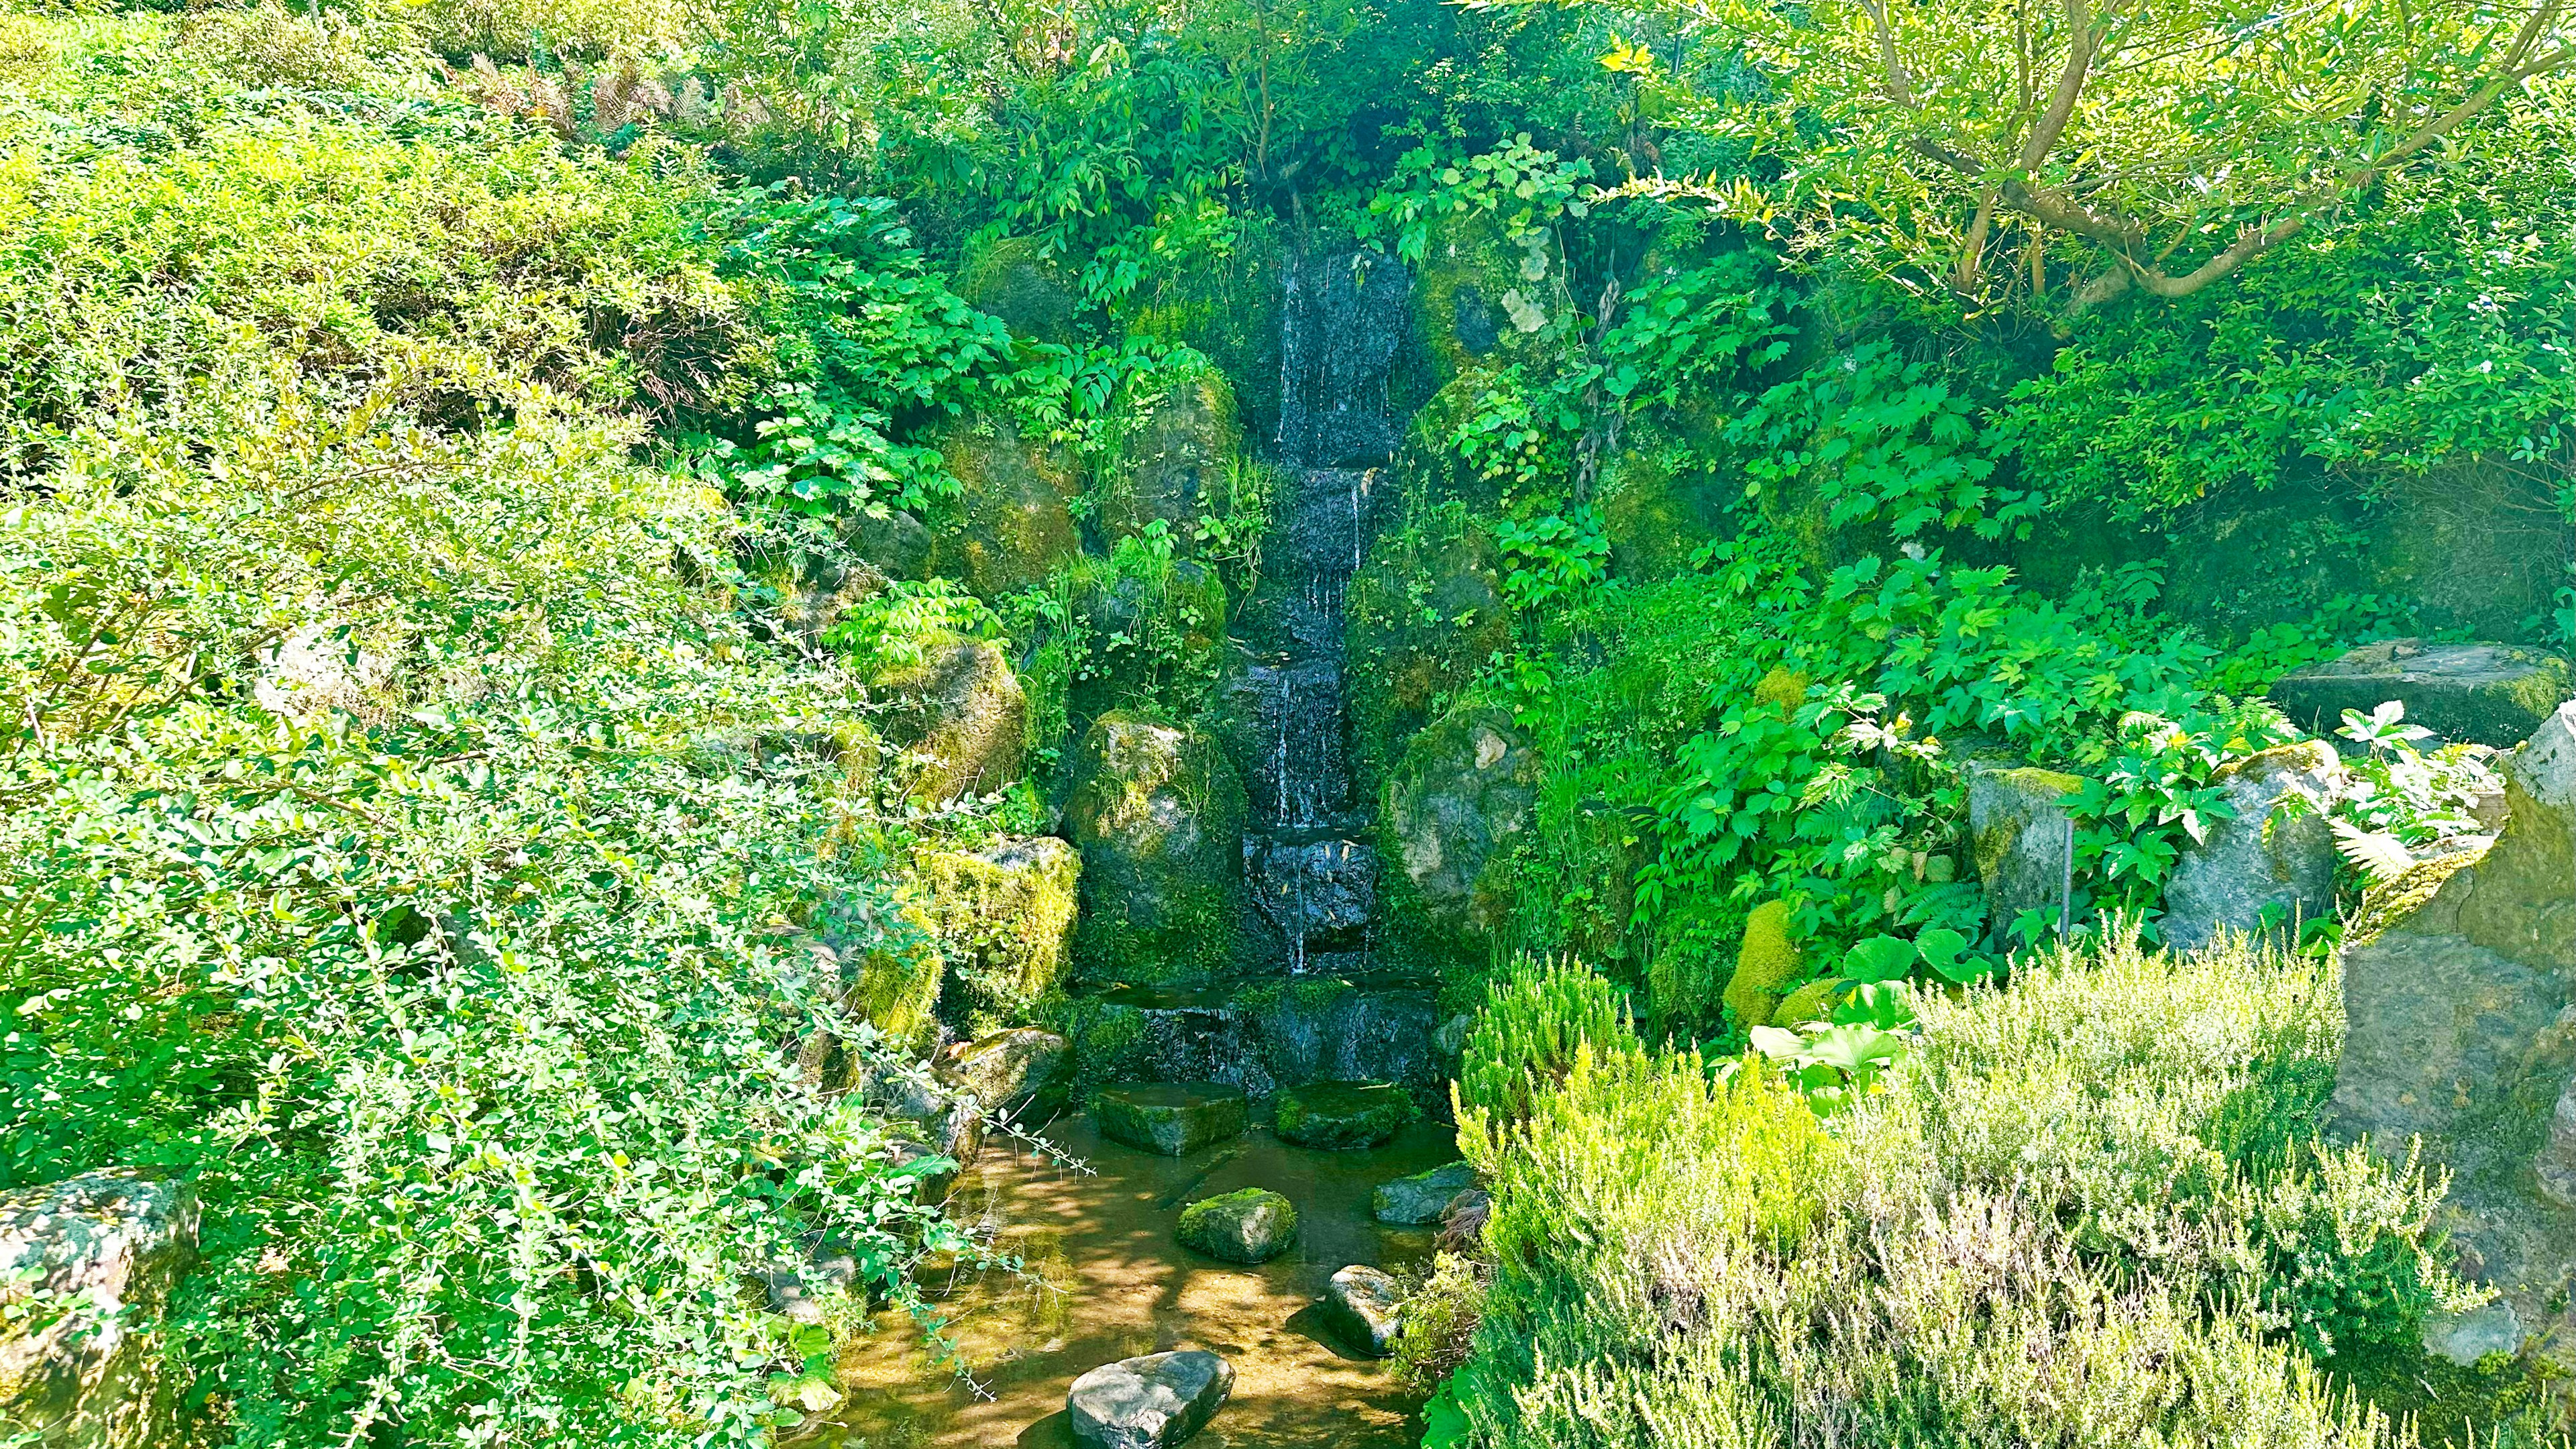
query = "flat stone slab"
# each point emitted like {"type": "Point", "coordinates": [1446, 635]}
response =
{"type": "Point", "coordinates": [1172, 1118]}
{"type": "Point", "coordinates": [1151, 1402]}
{"type": "Point", "coordinates": [1248, 1225]}
{"type": "Point", "coordinates": [1018, 1074]}
{"type": "Point", "coordinates": [1343, 1114]}
{"type": "Point", "coordinates": [1364, 1306]}
{"type": "Point", "coordinates": [2486, 694]}
{"type": "Point", "coordinates": [1418, 1201]}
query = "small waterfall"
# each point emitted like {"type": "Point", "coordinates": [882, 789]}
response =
{"type": "Point", "coordinates": [1307, 859]}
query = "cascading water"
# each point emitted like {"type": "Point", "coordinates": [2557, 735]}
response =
{"type": "Point", "coordinates": [1307, 861]}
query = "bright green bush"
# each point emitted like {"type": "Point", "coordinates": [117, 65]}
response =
{"type": "Point", "coordinates": [2089, 1209]}
{"type": "Point", "coordinates": [1537, 1017]}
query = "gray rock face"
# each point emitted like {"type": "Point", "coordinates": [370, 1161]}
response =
{"type": "Point", "coordinates": [2488, 694]}
{"type": "Point", "coordinates": [2017, 824]}
{"type": "Point", "coordinates": [1151, 1402]}
{"type": "Point", "coordinates": [1248, 1225]}
{"type": "Point", "coordinates": [1265, 1036]}
{"type": "Point", "coordinates": [1019, 1074]}
{"type": "Point", "coordinates": [2494, 1328]}
{"type": "Point", "coordinates": [2459, 1030]}
{"type": "Point", "coordinates": [106, 1248]}
{"type": "Point", "coordinates": [1419, 1200]}
{"type": "Point", "coordinates": [1157, 812]}
{"type": "Point", "coordinates": [1363, 1306]}
{"type": "Point", "coordinates": [1463, 787]}
{"type": "Point", "coordinates": [1174, 1119]}
{"type": "Point", "coordinates": [2277, 853]}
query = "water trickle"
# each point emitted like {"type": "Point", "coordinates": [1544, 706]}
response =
{"type": "Point", "coordinates": [1306, 859]}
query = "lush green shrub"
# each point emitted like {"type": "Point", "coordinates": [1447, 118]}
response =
{"type": "Point", "coordinates": [1538, 1016]}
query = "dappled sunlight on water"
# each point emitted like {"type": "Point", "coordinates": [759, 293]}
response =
{"type": "Point", "coordinates": [1105, 1280]}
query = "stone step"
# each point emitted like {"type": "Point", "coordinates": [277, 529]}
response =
{"type": "Point", "coordinates": [1172, 1118]}
{"type": "Point", "coordinates": [1342, 1114]}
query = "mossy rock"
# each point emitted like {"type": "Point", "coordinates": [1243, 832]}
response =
{"type": "Point", "coordinates": [1483, 298]}
{"type": "Point", "coordinates": [1017, 1074]}
{"type": "Point", "coordinates": [896, 985]}
{"type": "Point", "coordinates": [1810, 1002]}
{"type": "Point", "coordinates": [1011, 525]}
{"type": "Point", "coordinates": [1004, 916]}
{"type": "Point", "coordinates": [1419, 1200]}
{"type": "Point", "coordinates": [1765, 963]}
{"type": "Point", "coordinates": [1226, 306]}
{"type": "Point", "coordinates": [1171, 457]}
{"type": "Point", "coordinates": [1661, 501]}
{"type": "Point", "coordinates": [2017, 829]}
{"type": "Point", "coordinates": [1174, 1119]}
{"type": "Point", "coordinates": [1036, 295]}
{"type": "Point", "coordinates": [1464, 787]}
{"type": "Point", "coordinates": [1172, 611]}
{"type": "Point", "coordinates": [2488, 694]}
{"type": "Point", "coordinates": [960, 715]}
{"type": "Point", "coordinates": [1343, 1114]}
{"type": "Point", "coordinates": [1427, 613]}
{"type": "Point", "coordinates": [1249, 1225]}
{"type": "Point", "coordinates": [1157, 811]}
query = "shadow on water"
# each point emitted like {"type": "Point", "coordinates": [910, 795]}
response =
{"type": "Point", "coordinates": [1114, 1283]}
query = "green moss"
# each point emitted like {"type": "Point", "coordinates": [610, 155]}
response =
{"type": "Point", "coordinates": [1158, 813]}
{"type": "Point", "coordinates": [1005, 923]}
{"type": "Point", "coordinates": [897, 990]}
{"type": "Point", "coordinates": [1477, 292]}
{"type": "Point", "coordinates": [1169, 455]}
{"type": "Point", "coordinates": [1765, 964]}
{"type": "Point", "coordinates": [1343, 1114]}
{"type": "Point", "coordinates": [1809, 1002]}
{"type": "Point", "coordinates": [1247, 1225]}
{"type": "Point", "coordinates": [1014, 279]}
{"type": "Point", "coordinates": [1012, 524]}
{"type": "Point", "coordinates": [1994, 844]}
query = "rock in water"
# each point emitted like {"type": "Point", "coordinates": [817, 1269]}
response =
{"type": "Point", "coordinates": [1151, 1402]}
{"type": "Point", "coordinates": [1248, 1225]}
{"type": "Point", "coordinates": [2487, 694]}
{"type": "Point", "coordinates": [1174, 1119]}
{"type": "Point", "coordinates": [2017, 823]}
{"type": "Point", "coordinates": [1418, 1201]}
{"type": "Point", "coordinates": [1343, 1114]}
{"type": "Point", "coordinates": [106, 1247]}
{"type": "Point", "coordinates": [1018, 1075]}
{"type": "Point", "coordinates": [1363, 1306]}
{"type": "Point", "coordinates": [2276, 854]}
{"type": "Point", "coordinates": [2457, 1033]}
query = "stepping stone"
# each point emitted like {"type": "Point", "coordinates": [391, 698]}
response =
{"type": "Point", "coordinates": [1248, 1225]}
{"type": "Point", "coordinates": [1343, 1114]}
{"type": "Point", "coordinates": [1418, 1201]}
{"type": "Point", "coordinates": [1174, 1119]}
{"type": "Point", "coordinates": [1365, 1308]}
{"type": "Point", "coordinates": [1151, 1402]}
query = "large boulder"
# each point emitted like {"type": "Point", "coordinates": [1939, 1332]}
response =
{"type": "Point", "coordinates": [1342, 1114]}
{"type": "Point", "coordinates": [1365, 1307]}
{"type": "Point", "coordinates": [1158, 813]}
{"type": "Point", "coordinates": [1012, 525]}
{"type": "Point", "coordinates": [960, 716]}
{"type": "Point", "coordinates": [1463, 788]}
{"type": "Point", "coordinates": [1485, 295]}
{"type": "Point", "coordinates": [85, 1267]}
{"type": "Point", "coordinates": [2020, 833]}
{"type": "Point", "coordinates": [1018, 1074]}
{"type": "Point", "coordinates": [1262, 1036]}
{"type": "Point", "coordinates": [1249, 1225]}
{"type": "Point", "coordinates": [1419, 1200]}
{"type": "Point", "coordinates": [2488, 694]}
{"type": "Point", "coordinates": [1172, 1118]}
{"type": "Point", "coordinates": [2458, 1034]}
{"type": "Point", "coordinates": [1004, 917]}
{"type": "Point", "coordinates": [1153, 1402]}
{"type": "Point", "coordinates": [1172, 457]}
{"type": "Point", "coordinates": [2275, 855]}
{"type": "Point", "coordinates": [1427, 613]}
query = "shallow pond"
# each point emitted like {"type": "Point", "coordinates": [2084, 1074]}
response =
{"type": "Point", "coordinates": [1115, 1284]}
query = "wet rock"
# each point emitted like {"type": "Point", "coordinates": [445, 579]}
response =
{"type": "Point", "coordinates": [1365, 1308]}
{"type": "Point", "coordinates": [1158, 815]}
{"type": "Point", "coordinates": [105, 1247]}
{"type": "Point", "coordinates": [2460, 1032]}
{"type": "Point", "coordinates": [1464, 786]}
{"type": "Point", "coordinates": [1419, 1200]}
{"type": "Point", "coordinates": [1261, 1036]}
{"type": "Point", "coordinates": [1174, 1119]}
{"type": "Point", "coordinates": [2488, 694]}
{"type": "Point", "coordinates": [1347, 320]}
{"type": "Point", "coordinates": [1012, 526]}
{"type": "Point", "coordinates": [1004, 916]}
{"type": "Point", "coordinates": [1018, 1074]}
{"type": "Point", "coordinates": [2017, 825]}
{"type": "Point", "coordinates": [2276, 854]}
{"type": "Point", "coordinates": [1152, 1402]}
{"type": "Point", "coordinates": [1318, 894]}
{"type": "Point", "coordinates": [1248, 1225]}
{"type": "Point", "coordinates": [1173, 460]}
{"type": "Point", "coordinates": [959, 714]}
{"type": "Point", "coordinates": [1343, 1114]}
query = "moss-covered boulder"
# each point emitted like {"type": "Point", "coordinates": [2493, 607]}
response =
{"type": "Point", "coordinates": [1427, 613]}
{"type": "Point", "coordinates": [891, 978]}
{"type": "Point", "coordinates": [1463, 786]}
{"type": "Point", "coordinates": [2018, 829]}
{"type": "Point", "coordinates": [1248, 1225]}
{"type": "Point", "coordinates": [1012, 524]}
{"type": "Point", "coordinates": [1342, 1114]}
{"type": "Point", "coordinates": [959, 715]}
{"type": "Point", "coordinates": [1172, 1118]}
{"type": "Point", "coordinates": [1419, 1200]}
{"type": "Point", "coordinates": [1811, 1002]}
{"type": "Point", "coordinates": [1036, 295]}
{"type": "Point", "coordinates": [1158, 813]}
{"type": "Point", "coordinates": [1661, 500]}
{"type": "Point", "coordinates": [1765, 963]}
{"type": "Point", "coordinates": [1004, 915]}
{"type": "Point", "coordinates": [1485, 297]}
{"type": "Point", "coordinates": [1227, 306]}
{"type": "Point", "coordinates": [2488, 694]}
{"type": "Point", "coordinates": [1169, 615]}
{"type": "Point", "coordinates": [1172, 453]}
{"type": "Point", "coordinates": [1018, 1074]}
{"type": "Point", "coordinates": [2274, 857]}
